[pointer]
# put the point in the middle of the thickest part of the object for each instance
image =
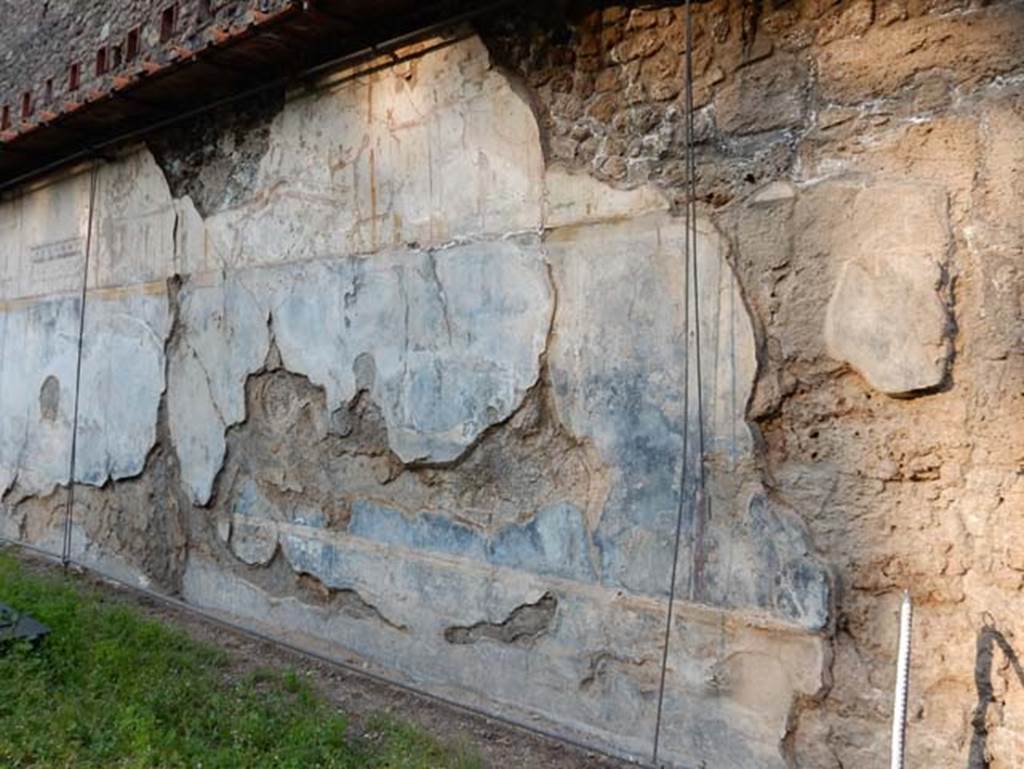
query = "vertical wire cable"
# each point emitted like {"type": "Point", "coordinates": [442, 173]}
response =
{"type": "Point", "coordinates": [69, 510]}
{"type": "Point", "coordinates": [701, 502]}
{"type": "Point", "coordinates": [686, 407]}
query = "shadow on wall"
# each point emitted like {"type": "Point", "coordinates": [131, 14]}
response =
{"type": "Point", "coordinates": [989, 637]}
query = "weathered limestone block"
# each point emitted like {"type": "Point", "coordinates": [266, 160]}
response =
{"type": "Point", "coordinates": [887, 317]}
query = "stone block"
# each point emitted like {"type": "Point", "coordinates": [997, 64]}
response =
{"type": "Point", "coordinates": [972, 46]}
{"type": "Point", "coordinates": [764, 96]}
{"type": "Point", "coordinates": [887, 317]}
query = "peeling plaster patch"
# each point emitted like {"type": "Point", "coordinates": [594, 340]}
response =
{"type": "Point", "coordinates": [127, 322]}
{"type": "Point", "coordinates": [455, 339]}
{"type": "Point", "coordinates": [49, 398]}
{"type": "Point", "coordinates": [123, 370]}
{"type": "Point", "coordinates": [606, 669]}
{"type": "Point", "coordinates": [135, 222]}
{"type": "Point", "coordinates": [522, 496]}
{"type": "Point", "coordinates": [122, 382]}
{"type": "Point", "coordinates": [343, 600]}
{"type": "Point", "coordinates": [522, 627]}
{"type": "Point", "coordinates": [190, 253]}
{"type": "Point", "coordinates": [253, 533]}
{"type": "Point", "coordinates": [42, 239]}
{"type": "Point", "coordinates": [618, 367]}
{"type": "Point", "coordinates": [37, 341]}
{"type": "Point", "coordinates": [253, 543]}
{"type": "Point", "coordinates": [318, 574]}
{"type": "Point", "coordinates": [426, 531]}
{"type": "Point", "coordinates": [788, 580]}
{"type": "Point", "coordinates": [223, 338]}
{"type": "Point", "coordinates": [133, 529]}
{"type": "Point", "coordinates": [578, 198]}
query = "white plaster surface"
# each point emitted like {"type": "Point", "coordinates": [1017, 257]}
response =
{"type": "Point", "coordinates": [410, 155]}
{"type": "Point", "coordinates": [122, 381]}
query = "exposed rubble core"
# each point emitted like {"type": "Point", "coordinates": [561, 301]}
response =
{"type": "Point", "coordinates": [521, 627]}
{"type": "Point", "coordinates": [397, 364]}
{"type": "Point", "coordinates": [213, 159]}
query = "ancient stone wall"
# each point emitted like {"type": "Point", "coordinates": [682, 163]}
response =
{"type": "Point", "coordinates": [400, 364]}
{"type": "Point", "coordinates": [863, 161]}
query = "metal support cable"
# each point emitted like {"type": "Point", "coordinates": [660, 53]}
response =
{"type": "Point", "coordinates": [689, 250]}
{"type": "Point", "coordinates": [70, 509]}
{"type": "Point", "coordinates": [701, 502]}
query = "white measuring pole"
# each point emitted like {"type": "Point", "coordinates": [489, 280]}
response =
{"type": "Point", "coordinates": [899, 710]}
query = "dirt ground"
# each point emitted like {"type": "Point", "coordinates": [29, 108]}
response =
{"type": "Point", "coordinates": [498, 744]}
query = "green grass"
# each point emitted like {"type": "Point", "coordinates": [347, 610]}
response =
{"type": "Point", "coordinates": [111, 689]}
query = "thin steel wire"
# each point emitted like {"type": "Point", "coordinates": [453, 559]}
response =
{"type": "Point", "coordinates": [70, 508]}
{"type": "Point", "coordinates": [690, 224]}
{"type": "Point", "coordinates": [701, 506]}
